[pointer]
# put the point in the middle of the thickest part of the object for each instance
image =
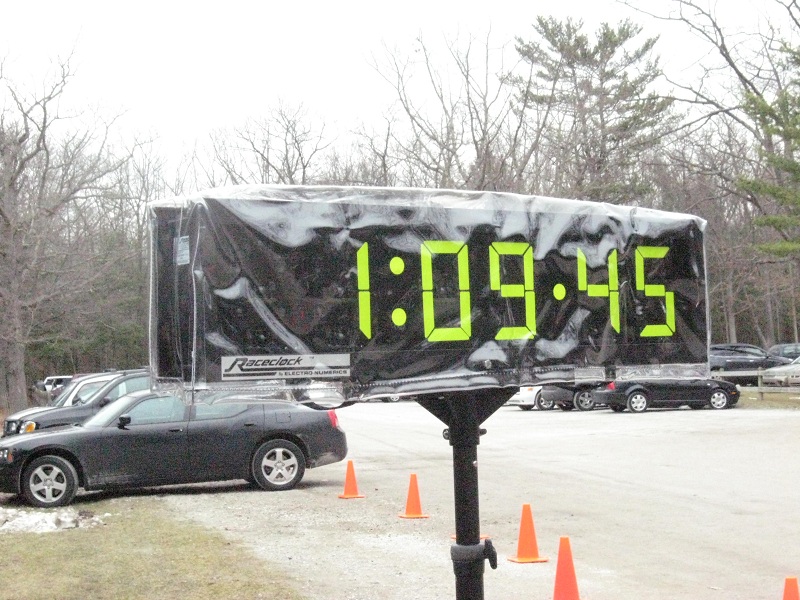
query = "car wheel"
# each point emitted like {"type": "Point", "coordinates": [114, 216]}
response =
{"type": "Point", "coordinates": [278, 465]}
{"type": "Point", "coordinates": [49, 481]}
{"type": "Point", "coordinates": [582, 400]}
{"type": "Point", "coordinates": [637, 402]}
{"type": "Point", "coordinates": [392, 398]}
{"type": "Point", "coordinates": [543, 404]}
{"type": "Point", "coordinates": [617, 408]}
{"type": "Point", "coordinates": [719, 399]}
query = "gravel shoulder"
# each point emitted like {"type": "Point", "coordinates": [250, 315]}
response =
{"type": "Point", "coordinates": [667, 504]}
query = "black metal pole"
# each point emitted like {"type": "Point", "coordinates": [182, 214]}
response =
{"type": "Point", "coordinates": [463, 413]}
{"type": "Point", "coordinates": [467, 553]}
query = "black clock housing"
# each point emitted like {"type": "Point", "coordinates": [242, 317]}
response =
{"type": "Point", "coordinates": [395, 290]}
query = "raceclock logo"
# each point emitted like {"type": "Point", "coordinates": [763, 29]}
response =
{"type": "Point", "coordinates": [285, 366]}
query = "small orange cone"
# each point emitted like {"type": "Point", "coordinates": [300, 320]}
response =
{"type": "Point", "coordinates": [527, 550]}
{"type": "Point", "coordinates": [413, 508]}
{"type": "Point", "coordinates": [790, 589]}
{"type": "Point", "coordinates": [566, 585]}
{"type": "Point", "coordinates": [350, 485]}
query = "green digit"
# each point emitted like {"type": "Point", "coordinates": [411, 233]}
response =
{"type": "Point", "coordinates": [511, 290]}
{"type": "Point", "coordinates": [364, 294]}
{"type": "Point", "coordinates": [655, 290]}
{"type": "Point", "coordinates": [610, 291]}
{"type": "Point", "coordinates": [445, 334]}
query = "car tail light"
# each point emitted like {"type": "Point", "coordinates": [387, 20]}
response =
{"type": "Point", "coordinates": [611, 386]}
{"type": "Point", "coordinates": [334, 418]}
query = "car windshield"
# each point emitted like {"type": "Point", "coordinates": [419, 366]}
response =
{"type": "Point", "coordinates": [754, 351]}
{"type": "Point", "coordinates": [87, 391]}
{"type": "Point", "coordinates": [65, 393]}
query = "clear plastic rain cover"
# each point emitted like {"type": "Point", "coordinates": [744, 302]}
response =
{"type": "Point", "coordinates": [393, 291]}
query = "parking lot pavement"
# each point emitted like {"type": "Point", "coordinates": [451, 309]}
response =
{"type": "Point", "coordinates": [661, 505]}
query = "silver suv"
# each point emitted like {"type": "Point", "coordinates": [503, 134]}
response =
{"type": "Point", "coordinates": [74, 391]}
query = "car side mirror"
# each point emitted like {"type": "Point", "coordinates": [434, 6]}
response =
{"type": "Point", "coordinates": [124, 421]}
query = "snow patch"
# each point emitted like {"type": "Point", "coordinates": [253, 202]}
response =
{"type": "Point", "coordinates": [16, 520]}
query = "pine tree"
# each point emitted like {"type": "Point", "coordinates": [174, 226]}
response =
{"type": "Point", "coordinates": [779, 119]}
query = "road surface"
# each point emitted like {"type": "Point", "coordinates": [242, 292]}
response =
{"type": "Point", "coordinates": [701, 505]}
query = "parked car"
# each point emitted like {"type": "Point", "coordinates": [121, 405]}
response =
{"type": "Point", "coordinates": [53, 381]}
{"type": "Point", "coordinates": [782, 375]}
{"type": "Point", "coordinates": [87, 404]}
{"type": "Point", "coordinates": [786, 350]}
{"type": "Point", "coordinates": [77, 389]}
{"type": "Point", "coordinates": [742, 357]}
{"type": "Point", "coordinates": [526, 398]}
{"type": "Point", "coordinates": [568, 396]}
{"type": "Point", "coordinates": [639, 395]}
{"type": "Point", "coordinates": [150, 439]}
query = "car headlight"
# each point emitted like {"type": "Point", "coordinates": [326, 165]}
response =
{"type": "Point", "coordinates": [6, 455]}
{"type": "Point", "coordinates": [11, 427]}
{"type": "Point", "coordinates": [27, 426]}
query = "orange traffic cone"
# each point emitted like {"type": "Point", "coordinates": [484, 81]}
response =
{"type": "Point", "coordinates": [790, 589]}
{"type": "Point", "coordinates": [350, 485]}
{"type": "Point", "coordinates": [413, 508]}
{"type": "Point", "coordinates": [566, 585]}
{"type": "Point", "coordinates": [527, 550]}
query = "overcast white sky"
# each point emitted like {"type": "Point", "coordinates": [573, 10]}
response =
{"type": "Point", "coordinates": [178, 69]}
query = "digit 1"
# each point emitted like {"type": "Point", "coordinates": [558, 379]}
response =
{"type": "Point", "coordinates": [515, 290]}
{"type": "Point", "coordinates": [597, 290]}
{"type": "Point", "coordinates": [364, 295]}
{"type": "Point", "coordinates": [668, 328]}
{"type": "Point", "coordinates": [445, 334]}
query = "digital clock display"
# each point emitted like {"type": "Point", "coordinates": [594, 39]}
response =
{"type": "Point", "coordinates": [384, 290]}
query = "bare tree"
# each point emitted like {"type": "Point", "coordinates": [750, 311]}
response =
{"type": "Point", "coordinates": [49, 255]}
{"type": "Point", "coordinates": [741, 76]}
{"type": "Point", "coordinates": [459, 126]}
{"type": "Point", "coordinates": [286, 148]}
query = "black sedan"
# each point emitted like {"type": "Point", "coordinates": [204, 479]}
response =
{"type": "Point", "coordinates": [742, 357]}
{"type": "Point", "coordinates": [567, 396]}
{"type": "Point", "coordinates": [151, 439]}
{"type": "Point", "coordinates": [639, 395]}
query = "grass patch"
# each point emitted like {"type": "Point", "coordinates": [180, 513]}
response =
{"type": "Point", "coordinates": [139, 552]}
{"type": "Point", "coordinates": [777, 399]}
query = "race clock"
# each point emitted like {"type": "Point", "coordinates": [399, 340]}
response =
{"type": "Point", "coordinates": [387, 290]}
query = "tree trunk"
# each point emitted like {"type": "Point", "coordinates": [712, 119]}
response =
{"type": "Point", "coordinates": [730, 311]}
{"type": "Point", "coordinates": [13, 393]}
{"type": "Point", "coordinates": [769, 335]}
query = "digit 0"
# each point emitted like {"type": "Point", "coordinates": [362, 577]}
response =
{"type": "Point", "coordinates": [445, 334]}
